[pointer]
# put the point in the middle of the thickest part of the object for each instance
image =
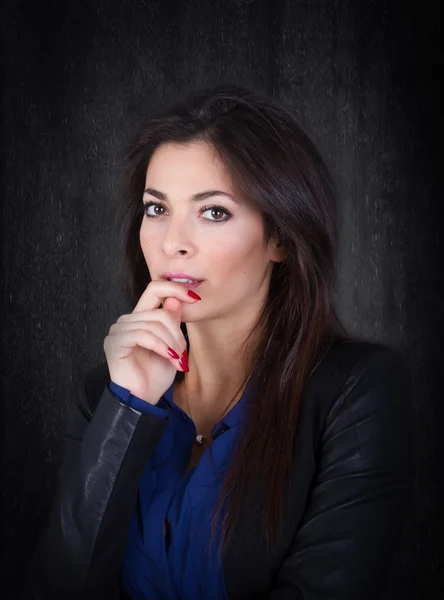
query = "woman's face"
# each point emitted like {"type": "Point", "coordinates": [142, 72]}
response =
{"type": "Point", "coordinates": [221, 245]}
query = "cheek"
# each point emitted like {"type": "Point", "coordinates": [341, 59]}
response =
{"type": "Point", "coordinates": [227, 255]}
{"type": "Point", "coordinates": [146, 243]}
{"type": "Point", "coordinates": [238, 259]}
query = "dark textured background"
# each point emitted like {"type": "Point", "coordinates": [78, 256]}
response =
{"type": "Point", "coordinates": [362, 77]}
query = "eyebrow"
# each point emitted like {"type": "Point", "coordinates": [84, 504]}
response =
{"type": "Point", "coordinates": [194, 198]}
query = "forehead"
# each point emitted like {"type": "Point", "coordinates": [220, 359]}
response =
{"type": "Point", "coordinates": [192, 168]}
{"type": "Point", "coordinates": [187, 164]}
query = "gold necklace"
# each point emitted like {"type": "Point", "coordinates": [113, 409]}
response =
{"type": "Point", "coordinates": [200, 438]}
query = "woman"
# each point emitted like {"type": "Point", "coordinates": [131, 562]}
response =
{"type": "Point", "coordinates": [274, 463]}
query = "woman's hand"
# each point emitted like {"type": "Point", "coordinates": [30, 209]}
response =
{"type": "Point", "coordinates": [136, 347]}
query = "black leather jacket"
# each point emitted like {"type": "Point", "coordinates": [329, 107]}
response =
{"type": "Point", "coordinates": [350, 490]}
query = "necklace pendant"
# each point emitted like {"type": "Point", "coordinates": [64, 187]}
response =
{"type": "Point", "coordinates": [200, 439]}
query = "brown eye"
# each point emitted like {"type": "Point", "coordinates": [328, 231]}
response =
{"type": "Point", "coordinates": [213, 208]}
{"type": "Point", "coordinates": [217, 209]}
{"type": "Point", "coordinates": [148, 205]}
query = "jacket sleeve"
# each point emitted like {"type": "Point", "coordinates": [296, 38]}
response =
{"type": "Point", "coordinates": [105, 450]}
{"type": "Point", "coordinates": [125, 396]}
{"type": "Point", "coordinates": [359, 500]}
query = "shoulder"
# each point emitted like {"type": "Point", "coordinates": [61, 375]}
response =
{"type": "Point", "coordinates": [359, 373]}
{"type": "Point", "coordinates": [344, 361]}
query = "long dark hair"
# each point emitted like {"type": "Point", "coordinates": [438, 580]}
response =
{"type": "Point", "coordinates": [273, 163]}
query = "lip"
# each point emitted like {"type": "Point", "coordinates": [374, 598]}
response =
{"type": "Point", "coordinates": [189, 286]}
{"type": "Point", "coordinates": [181, 275]}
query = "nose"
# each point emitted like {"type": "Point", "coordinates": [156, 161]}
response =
{"type": "Point", "coordinates": [178, 238]}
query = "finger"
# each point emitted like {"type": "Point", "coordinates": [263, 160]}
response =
{"type": "Point", "coordinates": [174, 307]}
{"type": "Point", "coordinates": [163, 316]}
{"type": "Point", "coordinates": [168, 332]}
{"type": "Point", "coordinates": [158, 291]}
{"type": "Point", "coordinates": [148, 340]}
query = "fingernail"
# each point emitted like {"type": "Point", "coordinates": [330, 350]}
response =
{"type": "Point", "coordinates": [184, 361]}
{"type": "Point", "coordinates": [172, 353]}
{"type": "Point", "coordinates": [193, 295]}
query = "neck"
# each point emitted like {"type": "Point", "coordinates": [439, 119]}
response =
{"type": "Point", "coordinates": [215, 373]}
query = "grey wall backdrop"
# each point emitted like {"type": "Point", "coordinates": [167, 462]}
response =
{"type": "Point", "coordinates": [79, 76]}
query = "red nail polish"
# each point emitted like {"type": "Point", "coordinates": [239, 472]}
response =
{"type": "Point", "coordinates": [193, 295]}
{"type": "Point", "coordinates": [184, 361]}
{"type": "Point", "coordinates": [172, 353]}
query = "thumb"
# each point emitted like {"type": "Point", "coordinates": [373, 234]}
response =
{"type": "Point", "coordinates": [174, 307]}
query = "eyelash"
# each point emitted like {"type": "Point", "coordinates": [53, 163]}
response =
{"type": "Point", "coordinates": [205, 208]}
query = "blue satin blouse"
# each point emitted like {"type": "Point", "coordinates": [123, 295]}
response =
{"type": "Point", "coordinates": [157, 567]}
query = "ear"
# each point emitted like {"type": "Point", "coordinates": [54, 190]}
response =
{"type": "Point", "coordinates": [278, 251]}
